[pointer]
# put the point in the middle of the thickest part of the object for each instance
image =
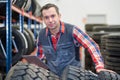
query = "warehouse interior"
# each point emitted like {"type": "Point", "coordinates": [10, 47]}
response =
{"type": "Point", "coordinates": [20, 24]}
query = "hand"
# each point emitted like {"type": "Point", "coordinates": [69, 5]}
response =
{"type": "Point", "coordinates": [105, 70]}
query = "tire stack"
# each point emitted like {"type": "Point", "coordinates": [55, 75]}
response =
{"type": "Point", "coordinates": [24, 42]}
{"type": "Point", "coordinates": [25, 5]}
{"type": "Point", "coordinates": [99, 34]}
{"type": "Point", "coordinates": [112, 59]}
{"type": "Point", "coordinates": [102, 39]}
{"type": "Point", "coordinates": [24, 45]}
{"type": "Point", "coordinates": [28, 5]}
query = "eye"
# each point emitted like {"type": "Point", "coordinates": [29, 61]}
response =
{"type": "Point", "coordinates": [52, 16]}
{"type": "Point", "coordinates": [46, 17]}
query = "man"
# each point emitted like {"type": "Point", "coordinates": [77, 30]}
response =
{"type": "Point", "coordinates": [58, 42]}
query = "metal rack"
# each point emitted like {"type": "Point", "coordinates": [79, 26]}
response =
{"type": "Point", "coordinates": [8, 35]}
{"type": "Point", "coordinates": [22, 14]}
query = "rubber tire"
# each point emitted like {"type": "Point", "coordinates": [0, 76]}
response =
{"type": "Point", "coordinates": [107, 28]}
{"type": "Point", "coordinates": [22, 4]}
{"type": "Point", "coordinates": [89, 27]}
{"type": "Point", "coordinates": [26, 71]}
{"type": "Point", "coordinates": [33, 41]}
{"type": "Point", "coordinates": [30, 39]}
{"type": "Point", "coordinates": [36, 8]}
{"type": "Point", "coordinates": [105, 75]}
{"type": "Point", "coordinates": [75, 73]}
{"type": "Point", "coordinates": [20, 43]}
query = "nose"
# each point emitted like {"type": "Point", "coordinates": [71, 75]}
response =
{"type": "Point", "coordinates": [50, 19]}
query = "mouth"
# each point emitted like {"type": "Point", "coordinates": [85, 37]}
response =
{"type": "Point", "coordinates": [51, 24]}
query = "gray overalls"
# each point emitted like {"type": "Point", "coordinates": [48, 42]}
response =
{"type": "Point", "coordinates": [65, 53]}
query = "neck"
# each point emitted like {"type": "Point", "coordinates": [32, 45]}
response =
{"type": "Point", "coordinates": [54, 31]}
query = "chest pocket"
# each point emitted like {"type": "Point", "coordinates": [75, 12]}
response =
{"type": "Point", "coordinates": [66, 51]}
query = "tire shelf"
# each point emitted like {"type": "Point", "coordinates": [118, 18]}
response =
{"type": "Point", "coordinates": [8, 23]}
{"type": "Point", "coordinates": [28, 15]}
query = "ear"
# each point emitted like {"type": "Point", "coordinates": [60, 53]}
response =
{"type": "Point", "coordinates": [59, 15]}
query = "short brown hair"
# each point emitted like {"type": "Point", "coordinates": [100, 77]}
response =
{"type": "Point", "coordinates": [47, 6]}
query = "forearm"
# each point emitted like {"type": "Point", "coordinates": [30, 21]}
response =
{"type": "Point", "coordinates": [91, 46]}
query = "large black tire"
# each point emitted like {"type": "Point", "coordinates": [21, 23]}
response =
{"type": "Point", "coordinates": [21, 44]}
{"type": "Point", "coordinates": [105, 75]}
{"type": "Point", "coordinates": [107, 28]}
{"type": "Point", "coordinates": [36, 8]}
{"type": "Point", "coordinates": [75, 73]}
{"type": "Point", "coordinates": [32, 45]}
{"type": "Point", "coordinates": [29, 37]}
{"type": "Point", "coordinates": [89, 27]}
{"type": "Point", "coordinates": [26, 71]}
{"type": "Point", "coordinates": [22, 4]}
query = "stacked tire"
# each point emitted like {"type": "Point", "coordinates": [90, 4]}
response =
{"type": "Point", "coordinates": [89, 27]}
{"type": "Point", "coordinates": [25, 71]}
{"type": "Point", "coordinates": [110, 28]}
{"type": "Point", "coordinates": [113, 52]}
{"type": "Point", "coordinates": [99, 35]}
{"type": "Point", "coordinates": [36, 8]}
{"type": "Point", "coordinates": [26, 5]}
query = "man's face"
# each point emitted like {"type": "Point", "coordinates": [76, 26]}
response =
{"type": "Point", "coordinates": [51, 18]}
